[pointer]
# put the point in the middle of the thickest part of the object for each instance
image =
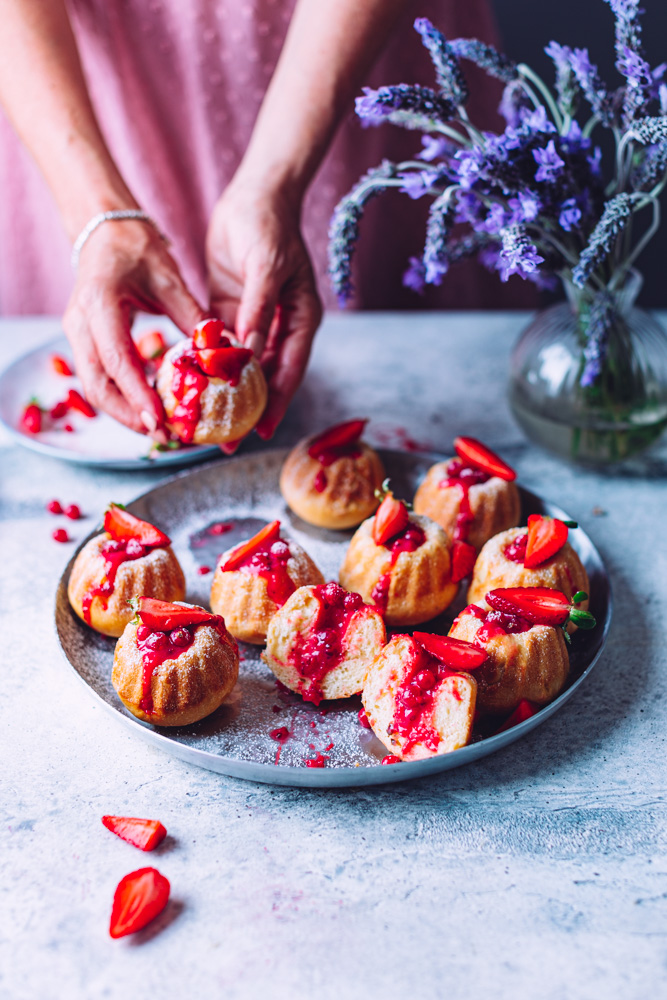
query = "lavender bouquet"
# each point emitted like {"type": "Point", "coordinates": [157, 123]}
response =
{"type": "Point", "coordinates": [534, 200]}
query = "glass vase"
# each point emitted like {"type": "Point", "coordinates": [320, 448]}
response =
{"type": "Point", "coordinates": [592, 398]}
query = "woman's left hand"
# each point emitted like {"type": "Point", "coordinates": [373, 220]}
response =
{"type": "Point", "coordinates": [262, 285]}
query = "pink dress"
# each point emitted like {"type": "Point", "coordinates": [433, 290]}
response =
{"type": "Point", "coordinates": [176, 87]}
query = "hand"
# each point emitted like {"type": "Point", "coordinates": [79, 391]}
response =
{"type": "Point", "coordinates": [262, 285]}
{"type": "Point", "coordinates": [124, 267]}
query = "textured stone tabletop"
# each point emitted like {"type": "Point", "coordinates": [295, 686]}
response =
{"type": "Point", "coordinates": [538, 872]}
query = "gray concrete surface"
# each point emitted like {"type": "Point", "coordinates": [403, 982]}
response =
{"type": "Point", "coordinates": [536, 873]}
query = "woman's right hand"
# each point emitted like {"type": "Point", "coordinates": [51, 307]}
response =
{"type": "Point", "coordinates": [124, 267]}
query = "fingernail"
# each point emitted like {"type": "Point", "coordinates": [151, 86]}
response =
{"type": "Point", "coordinates": [149, 421]}
{"type": "Point", "coordinates": [255, 343]}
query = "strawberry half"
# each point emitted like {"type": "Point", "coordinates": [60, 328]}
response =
{"type": "Point", "coordinates": [463, 560]}
{"type": "Point", "coordinates": [546, 537]}
{"type": "Point", "coordinates": [454, 653]}
{"type": "Point", "coordinates": [477, 454]}
{"type": "Point", "coordinates": [122, 526]}
{"type": "Point", "coordinates": [61, 365]}
{"type": "Point", "coordinates": [138, 899]}
{"type": "Point", "coordinates": [524, 710]}
{"type": "Point", "coordinates": [151, 346]}
{"type": "Point", "coordinates": [145, 834]}
{"type": "Point", "coordinates": [224, 362]}
{"type": "Point", "coordinates": [75, 401]}
{"type": "Point", "coordinates": [31, 419]}
{"type": "Point", "coordinates": [338, 436]}
{"type": "Point", "coordinates": [208, 333]}
{"type": "Point", "coordinates": [540, 605]}
{"type": "Point", "coordinates": [236, 558]}
{"type": "Point", "coordinates": [163, 616]}
{"type": "Point", "coordinates": [390, 518]}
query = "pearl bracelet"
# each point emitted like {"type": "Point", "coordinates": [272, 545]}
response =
{"type": "Point", "coordinates": [97, 220]}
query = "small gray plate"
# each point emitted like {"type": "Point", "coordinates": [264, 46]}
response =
{"type": "Point", "coordinates": [236, 740]}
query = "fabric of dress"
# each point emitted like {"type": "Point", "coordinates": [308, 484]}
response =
{"type": "Point", "coordinates": [176, 87]}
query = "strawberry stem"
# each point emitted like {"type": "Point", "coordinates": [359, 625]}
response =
{"type": "Point", "coordinates": [580, 596]}
{"type": "Point", "coordinates": [570, 524]}
{"type": "Point", "coordinates": [582, 619]}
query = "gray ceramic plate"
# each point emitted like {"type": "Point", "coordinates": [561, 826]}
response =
{"type": "Point", "coordinates": [236, 739]}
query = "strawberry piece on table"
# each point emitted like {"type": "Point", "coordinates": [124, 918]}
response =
{"type": "Point", "coordinates": [478, 455]}
{"type": "Point", "coordinates": [151, 346]}
{"type": "Point", "coordinates": [270, 533]}
{"type": "Point", "coordinates": [546, 537]}
{"type": "Point", "coordinates": [463, 560]}
{"type": "Point", "coordinates": [390, 518]}
{"type": "Point", "coordinates": [122, 526]}
{"type": "Point", "coordinates": [162, 616]}
{"type": "Point", "coordinates": [138, 899]}
{"type": "Point", "coordinates": [454, 653]}
{"type": "Point", "coordinates": [338, 436]}
{"type": "Point", "coordinates": [540, 605]}
{"type": "Point", "coordinates": [209, 333]}
{"type": "Point", "coordinates": [224, 362]}
{"type": "Point", "coordinates": [76, 401]}
{"type": "Point", "coordinates": [524, 710]}
{"type": "Point", "coordinates": [31, 418]}
{"type": "Point", "coordinates": [145, 834]}
{"type": "Point", "coordinates": [61, 365]}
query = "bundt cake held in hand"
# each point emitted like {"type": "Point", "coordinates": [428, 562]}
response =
{"type": "Point", "coordinates": [539, 556]}
{"type": "Point", "coordinates": [331, 480]}
{"type": "Point", "coordinates": [400, 562]}
{"type": "Point", "coordinates": [472, 497]}
{"type": "Point", "coordinates": [129, 559]}
{"type": "Point", "coordinates": [322, 641]}
{"type": "Point", "coordinates": [174, 664]}
{"type": "Point", "coordinates": [255, 578]}
{"type": "Point", "coordinates": [212, 389]}
{"type": "Point", "coordinates": [418, 696]}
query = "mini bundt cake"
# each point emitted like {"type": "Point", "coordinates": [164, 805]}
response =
{"type": "Point", "coordinates": [255, 578]}
{"type": "Point", "coordinates": [331, 480]}
{"type": "Point", "coordinates": [472, 497]}
{"type": "Point", "coordinates": [525, 660]}
{"type": "Point", "coordinates": [322, 641]}
{"type": "Point", "coordinates": [131, 558]}
{"type": "Point", "coordinates": [415, 704]}
{"type": "Point", "coordinates": [212, 389]}
{"type": "Point", "coordinates": [174, 664]}
{"type": "Point", "coordinates": [400, 562]}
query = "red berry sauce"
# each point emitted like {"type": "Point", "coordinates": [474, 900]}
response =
{"type": "Point", "coordinates": [320, 481]}
{"type": "Point", "coordinates": [115, 554]}
{"type": "Point", "coordinates": [415, 700]}
{"type": "Point", "coordinates": [516, 550]}
{"type": "Point", "coordinates": [409, 540]}
{"type": "Point", "coordinates": [270, 562]}
{"type": "Point", "coordinates": [391, 758]}
{"type": "Point", "coordinates": [280, 735]}
{"type": "Point", "coordinates": [156, 647]}
{"type": "Point", "coordinates": [363, 719]}
{"type": "Point", "coordinates": [464, 476]}
{"type": "Point", "coordinates": [203, 570]}
{"type": "Point", "coordinates": [188, 383]}
{"type": "Point", "coordinates": [318, 761]}
{"type": "Point", "coordinates": [496, 623]}
{"type": "Point", "coordinates": [317, 653]}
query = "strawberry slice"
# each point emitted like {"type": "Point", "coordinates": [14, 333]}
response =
{"type": "Point", "coordinates": [122, 526]}
{"type": "Point", "coordinates": [151, 345]}
{"type": "Point", "coordinates": [524, 710]}
{"type": "Point", "coordinates": [338, 436]}
{"type": "Point", "coordinates": [478, 455]}
{"type": "Point", "coordinates": [61, 365]}
{"type": "Point", "coordinates": [138, 899]}
{"type": "Point", "coordinates": [209, 333]}
{"type": "Point", "coordinates": [145, 834]}
{"type": "Point", "coordinates": [240, 555]}
{"type": "Point", "coordinates": [224, 362]}
{"type": "Point", "coordinates": [546, 537]}
{"type": "Point", "coordinates": [31, 419]}
{"type": "Point", "coordinates": [454, 653]}
{"type": "Point", "coordinates": [540, 605]}
{"type": "Point", "coordinates": [75, 401]}
{"type": "Point", "coordinates": [163, 616]}
{"type": "Point", "coordinates": [390, 518]}
{"type": "Point", "coordinates": [463, 560]}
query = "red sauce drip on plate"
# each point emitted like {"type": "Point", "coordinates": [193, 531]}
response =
{"type": "Point", "coordinates": [270, 562]}
{"type": "Point", "coordinates": [319, 652]}
{"type": "Point", "coordinates": [464, 476]}
{"type": "Point", "coordinates": [318, 761]}
{"type": "Point", "coordinates": [516, 550]}
{"type": "Point", "coordinates": [409, 540]}
{"type": "Point", "coordinates": [156, 647]}
{"type": "Point", "coordinates": [115, 554]}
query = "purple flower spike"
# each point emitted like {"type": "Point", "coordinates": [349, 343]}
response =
{"type": "Point", "coordinates": [570, 214]}
{"type": "Point", "coordinates": [415, 276]}
{"type": "Point", "coordinates": [549, 162]}
{"type": "Point", "coordinates": [525, 207]}
{"type": "Point", "coordinates": [434, 148]}
{"type": "Point", "coordinates": [519, 255]}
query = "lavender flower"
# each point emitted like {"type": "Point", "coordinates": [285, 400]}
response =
{"type": "Point", "coordinates": [651, 168]}
{"type": "Point", "coordinates": [614, 220]}
{"type": "Point", "coordinates": [525, 207]}
{"type": "Point", "coordinates": [495, 220]}
{"type": "Point", "coordinates": [592, 87]}
{"type": "Point", "coordinates": [649, 130]}
{"type": "Point", "coordinates": [549, 162]}
{"type": "Point", "coordinates": [435, 147]}
{"type": "Point", "coordinates": [447, 70]}
{"type": "Point", "coordinates": [415, 276]}
{"type": "Point", "coordinates": [419, 182]}
{"type": "Point", "coordinates": [412, 107]}
{"type": "Point", "coordinates": [344, 228]}
{"type": "Point", "coordinates": [436, 261]}
{"type": "Point", "coordinates": [566, 82]}
{"type": "Point", "coordinates": [570, 214]}
{"type": "Point", "coordinates": [518, 255]}
{"type": "Point", "coordinates": [513, 102]}
{"type": "Point", "coordinates": [630, 59]}
{"type": "Point", "coordinates": [486, 57]}
{"type": "Point", "coordinates": [600, 322]}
